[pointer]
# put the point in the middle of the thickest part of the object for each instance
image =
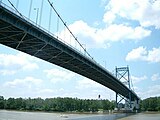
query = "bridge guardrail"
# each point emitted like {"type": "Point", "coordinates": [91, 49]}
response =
{"type": "Point", "coordinates": [47, 31]}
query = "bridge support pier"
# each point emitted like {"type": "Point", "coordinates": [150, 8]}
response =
{"type": "Point", "coordinates": [116, 104]}
{"type": "Point", "coordinates": [123, 75]}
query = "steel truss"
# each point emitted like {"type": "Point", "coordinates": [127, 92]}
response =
{"type": "Point", "coordinates": [20, 34]}
{"type": "Point", "coordinates": [123, 75]}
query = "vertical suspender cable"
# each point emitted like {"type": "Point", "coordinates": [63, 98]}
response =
{"type": "Point", "coordinates": [132, 83]}
{"type": "Point", "coordinates": [64, 31]}
{"type": "Point", "coordinates": [30, 8]}
{"type": "Point", "coordinates": [15, 8]}
{"type": "Point", "coordinates": [57, 26]}
{"type": "Point", "coordinates": [70, 39]}
{"type": "Point", "coordinates": [50, 17]}
{"type": "Point", "coordinates": [17, 4]}
{"type": "Point", "coordinates": [69, 29]}
{"type": "Point", "coordinates": [41, 13]}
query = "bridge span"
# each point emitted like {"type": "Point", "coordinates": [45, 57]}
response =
{"type": "Point", "coordinates": [19, 33]}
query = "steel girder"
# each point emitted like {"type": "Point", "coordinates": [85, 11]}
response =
{"type": "Point", "coordinates": [20, 34]}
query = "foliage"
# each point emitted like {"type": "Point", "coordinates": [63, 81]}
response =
{"type": "Point", "coordinates": [150, 104]}
{"type": "Point", "coordinates": [70, 104]}
{"type": "Point", "coordinates": [2, 102]}
{"type": "Point", "coordinates": [56, 104]}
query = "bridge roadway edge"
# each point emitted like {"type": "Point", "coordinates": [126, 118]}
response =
{"type": "Point", "coordinates": [107, 79]}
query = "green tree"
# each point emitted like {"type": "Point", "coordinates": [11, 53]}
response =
{"type": "Point", "coordinates": [20, 104]}
{"type": "Point", "coordinates": [2, 102]}
{"type": "Point", "coordinates": [10, 104]}
{"type": "Point", "coordinates": [112, 105]}
{"type": "Point", "coordinates": [150, 104]}
{"type": "Point", "coordinates": [106, 104]}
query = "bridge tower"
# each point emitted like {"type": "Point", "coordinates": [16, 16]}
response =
{"type": "Point", "coordinates": [122, 73]}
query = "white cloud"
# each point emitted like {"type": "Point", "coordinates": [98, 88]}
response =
{"type": "Point", "coordinates": [138, 79]}
{"type": "Point", "coordinates": [152, 91]}
{"type": "Point", "coordinates": [155, 77]}
{"type": "Point", "coordinates": [137, 54]}
{"type": "Point", "coordinates": [154, 55]}
{"type": "Point", "coordinates": [58, 75]}
{"type": "Point", "coordinates": [60, 92]}
{"type": "Point", "coordinates": [10, 63]}
{"type": "Point", "coordinates": [91, 89]}
{"type": "Point", "coordinates": [30, 87]}
{"type": "Point", "coordinates": [88, 84]}
{"type": "Point", "coordinates": [112, 32]}
{"type": "Point", "coordinates": [7, 72]}
{"type": "Point", "coordinates": [45, 92]}
{"type": "Point", "coordinates": [142, 54]}
{"type": "Point", "coordinates": [136, 89]}
{"type": "Point", "coordinates": [103, 2]}
{"type": "Point", "coordinates": [109, 17]}
{"type": "Point", "coordinates": [28, 82]}
{"type": "Point", "coordinates": [143, 11]}
{"type": "Point", "coordinates": [146, 12]}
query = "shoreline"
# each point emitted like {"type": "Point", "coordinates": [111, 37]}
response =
{"type": "Point", "coordinates": [68, 112]}
{"type": "Point", "coordinates": [151, 112]}
{"type": "Point", "coordinates": [85, 113]}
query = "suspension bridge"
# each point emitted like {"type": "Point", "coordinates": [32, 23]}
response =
{"type": "Point", "coordinates": [20, 33]}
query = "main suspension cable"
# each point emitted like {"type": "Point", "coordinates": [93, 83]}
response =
{"type": "Point", "coordinates": [69, 29]}
{"type": "Point", "coordinates": [15, 9]}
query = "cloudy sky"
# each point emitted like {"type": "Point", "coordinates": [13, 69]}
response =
{"type": "Point", "coordinates": [115, 33]}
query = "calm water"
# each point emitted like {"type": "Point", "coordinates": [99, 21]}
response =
{"type": "Point", "coordinates": [143, 116]}
{"type": "Point", "coordinates": [14, 115]}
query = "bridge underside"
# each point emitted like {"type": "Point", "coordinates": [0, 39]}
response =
{"type": "Point", "coordinates": [19, 34]}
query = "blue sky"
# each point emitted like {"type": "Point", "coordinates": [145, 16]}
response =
{"type": "Point", "coordinates": [115, 33]}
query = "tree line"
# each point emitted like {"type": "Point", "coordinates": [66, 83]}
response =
{"type": "Point", "coordinates": [56, 104]}
{"type": "Point", "coordinates": [150, 104]}
{"type": "Point", "coordinates": [70, 104]}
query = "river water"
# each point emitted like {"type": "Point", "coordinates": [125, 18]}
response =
{"type": "Point", "coordinates": [16, 115]}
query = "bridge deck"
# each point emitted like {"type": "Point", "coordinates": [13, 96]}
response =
{"type": "Point", "coordinates": [20, 34]}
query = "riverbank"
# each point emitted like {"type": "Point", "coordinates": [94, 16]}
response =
{"type": "Point", "coordinates": [66, 112]}
{"type": "Point", "coordinates": [85, 113]}
{"type": "Point", "coordinates": [151, 112]}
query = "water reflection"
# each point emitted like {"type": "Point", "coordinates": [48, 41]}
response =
{"type": "Point", "coordinates": [100, 117]}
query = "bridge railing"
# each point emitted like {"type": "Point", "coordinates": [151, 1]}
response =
{"type": "Point", "coordinates": [83, 53]}
{"type": "Point", "coordinates": [47, 31]}
{"type": "Point", "coordinates": [50, 33]}
{"type": "Point", "coordinates": [11, 9]}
